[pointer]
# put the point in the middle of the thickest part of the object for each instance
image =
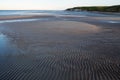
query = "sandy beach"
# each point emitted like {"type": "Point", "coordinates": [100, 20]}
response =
{"type": "Point", "coordinates": [61, 48]}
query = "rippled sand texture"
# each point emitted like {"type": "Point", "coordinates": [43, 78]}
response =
{"type": "Point", "coordinates": [62, 50]}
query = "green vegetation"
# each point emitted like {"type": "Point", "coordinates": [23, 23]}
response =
{"type": "Point", "coordinates": [97, 8]}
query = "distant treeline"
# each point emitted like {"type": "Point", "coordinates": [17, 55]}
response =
{"type": "Point", "coordinates": [97, 8]}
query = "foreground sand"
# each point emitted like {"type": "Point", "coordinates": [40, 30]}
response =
{"type": "Point", "coordinates": [62, 50]}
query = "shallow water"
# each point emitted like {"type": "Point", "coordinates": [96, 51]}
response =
{"type": "Point", "coordinates": [6, 47]}
{"type": "Point", "coordinates": [18, 20]}
{"type": "Point", "coordinates": [51, 12]}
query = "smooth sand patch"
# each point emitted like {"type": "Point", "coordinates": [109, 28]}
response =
{"type": "Point", "coordinates": [66, 27]}
{"type": "Point", "coordinates": [31, 33]}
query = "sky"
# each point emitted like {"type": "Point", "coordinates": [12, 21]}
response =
{"type": "Point", "coordinates": [52, 4]}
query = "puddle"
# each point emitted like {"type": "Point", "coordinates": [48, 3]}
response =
{"type": "Point", "coordinates": [113, 21]}
{"type": "Point", "coordinates": [6, 47]}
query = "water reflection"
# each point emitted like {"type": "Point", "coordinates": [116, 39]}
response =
{"type": "Point", "coordinates": [6, 47]}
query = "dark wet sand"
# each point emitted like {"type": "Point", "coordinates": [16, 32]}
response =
{"type": "Point", "coordinates": [76, 49]}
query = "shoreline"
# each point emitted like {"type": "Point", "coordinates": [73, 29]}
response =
{"type": "Point", "coordinates": [10, 17]}
{"type": "Point", "coordinates": [16, 17]}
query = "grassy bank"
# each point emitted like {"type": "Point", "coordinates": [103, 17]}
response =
{"type": "Point", "coordinates": [97, 8]}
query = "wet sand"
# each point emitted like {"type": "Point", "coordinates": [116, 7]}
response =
{"type": "Point", "coordinates": [12, 17]}
{"type": "Point", "coordinates": [70, 49]}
